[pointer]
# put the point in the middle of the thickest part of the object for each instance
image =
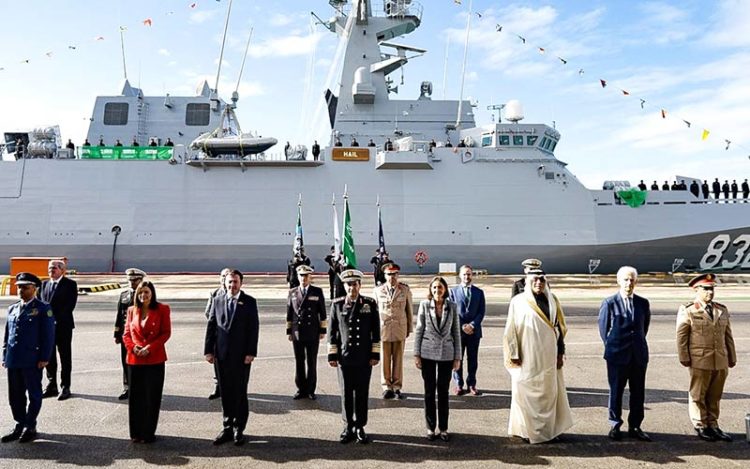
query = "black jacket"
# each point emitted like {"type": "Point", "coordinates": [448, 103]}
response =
{"type": "Point", "coordinates": [306, 317]}
{"type": "Point", "coordinates": [63, 301]}
{"type": "Point", "coordinates": [233, 341]}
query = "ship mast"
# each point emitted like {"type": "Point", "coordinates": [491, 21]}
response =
{"type": "Point", "coordinates": [463, 68]}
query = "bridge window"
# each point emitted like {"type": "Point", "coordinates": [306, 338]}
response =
{"type": "Point", "coordinates": [197, 114]}
{"type": "Point", "coordinates": [116, 114]}
{"type": "Point", "coordinates": [518, 140]}
{"type": "Point", "coordinates": [486, 140]}
{"type": "Point", "coordinates": [548, 143]}
{"type": "Point", "coordinates": [531, 140]}
{"type": "Point", "coordinates": [554, 144]}
{"type": "Point", "coordinates": [504, 139]}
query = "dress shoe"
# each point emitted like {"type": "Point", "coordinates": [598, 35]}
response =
{"type": "Point", "coordinates": [346, 435]}
{"type": "Point", "coordinates": [124, 396]}
{"type": "Point", "coordinates": [445, 436]}
{"type": "Point", "coordinates": [474, 391]}
{"type": "Point", "coordinates": [223, 437]}
{"type": "Point", "coordinates": [615, 434]}
{"type": "Point", "coordinates": [458, 391]}
{"type": "Point", "coordinates": [50, 391]}
{"type": "Point", "coordinates": [638, 434]}
{"type": "Point", "coordinates": [362, 437]}
{"type": "Point", "coordinates": [149, 439]}
{"type": "Point", "coordinates": [388, 394]}
{"type": "Point", "coordinates": [706, 434]}
{"type": "Point", "coordinates": [29, 434]}
{"type": "Point", "coordinates": [720, 435]}
{"type": "Point", "coordinates": [65, 394]}
{"type": "Point", "coordinates": [239, 438]}
{"type": "Point", "coordinates": [297, 396]}
{"type": "Point", "coordinates": [431, 435]}
{"type": "Point", "coordinates": [312, 396]}
{"type": "Point", "coordinates": [214, 395]}
{"type": "Point", "coordinates": [397, 394]}
{"type": "Point", "coordinates": [12, 436]}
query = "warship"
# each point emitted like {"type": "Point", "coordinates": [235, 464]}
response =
{"type": "Point", "coordinates": [452, 190]}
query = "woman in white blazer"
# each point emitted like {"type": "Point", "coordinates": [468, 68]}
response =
{"type": "Point", "coordinates": [437, 352]}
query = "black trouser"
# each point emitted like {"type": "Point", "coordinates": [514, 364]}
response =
{"type": "Point", "coordinates": [233, 380]}
{"type": "Point", "coordinates": [331, 283]}
{"type": "Point", "coordinates": [436, 375]}
{"type": "Point", "coordinates": [146, 386]}
{"type": "Point", "coordinates": [354, 381]}
{"type": "Point", "coordinates": [633, 374]}
{"type": "Point", "coordinates": [63, 340]}
{"type": "Point", "coordinates": [23, 381]}
{"type": "Point", "coordinates": [305, 361]}
{"type": "Point", "coordinates": [124, 361]}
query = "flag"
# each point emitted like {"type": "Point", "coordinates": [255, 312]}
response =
{"type": "Point", "coordinates": [625, 93]}
{"type": "Point", "coordinates": [603, 82]}
{"type": "Point", "coordinates": [336, 235]}
{"type": "Point", "coordinates": [565, 62]}
{"type": "Point", "coordinates": [381, 238]}
{"type": "Point", "coordinates": [542, 51]}
{"type": "Point", "coordinates": [705, 134]}
{"type": "Point", "coordinates": [350, 257]}
{"type": "Point", "coordinates": [147, 22]}
{"type": "Point", "coordinates": [299, 242]}
{"type": "Point", "coordinates": [663, 113]}
{"type": "Point", "coordinates": [193, 5]}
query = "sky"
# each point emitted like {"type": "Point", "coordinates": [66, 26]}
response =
{"type": "Point", "coordinates": [689, 58]}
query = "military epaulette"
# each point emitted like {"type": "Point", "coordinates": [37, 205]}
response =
{"type": "Point", "coordinates": [404, 284]}
{"type": "Point", "coordinates": [716, 303]}
{"type": "Point", "coordinates": [689, 304]}
{"type": "Point", "coordinates": [341, 298]}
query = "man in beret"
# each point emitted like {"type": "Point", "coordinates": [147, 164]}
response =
{"type": "Point", "coordinates": [305, 327]}
{"type": "Point", "coordinates": [396, 323]}
{"type": "Point", "coordinates": [705, 345]}
{"type": "Point", "coordinates": [125, 301]}
{"type": "Point", "coordinates": [520, 284]}
{"type": "Point", "coordinates": [354, 348]}
{"type": "Point", "coordinates": [28, 345]}
{"type": "Point", "coordinates": [61, 293]}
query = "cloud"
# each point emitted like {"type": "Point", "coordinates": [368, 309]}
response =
{"type": "Point", "coordinates": [729, 24]}
{"type": "Point", "coordinates": [200, 17]}
{"type": "Point", "coordinates": [163, 52]}
{"type": "Point", "coordinates": [662, 24]}
{"type": "Point", "coordinates": [279, 19]}
{"type": "Point", "coordinates": [285, 46]}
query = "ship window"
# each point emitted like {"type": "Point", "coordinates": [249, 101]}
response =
{"type": "Point", "coordinates": [504, 140]}
{"type": "Point", "coordinates": [549, 175]}
{"type": "Point", "coordinates": [531, 140]}
{"type": "Point", "coordinates": [518, 140]}
{"type": "Point", "coordinates": [554, 144]}
{"type": "Point", "coordinates": [544, 142]}
{"type": "Point", "coordinates": [116, 114]}
{"type": "Point", "coordinates": [548, 144]}
{"type": "Point", "coordinates": [197, 114]}
{"type": "Point", "coordinates": [486, 140]}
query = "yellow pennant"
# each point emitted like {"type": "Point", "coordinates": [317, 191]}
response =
{"type": "Point", "coordinates": [705, 134]}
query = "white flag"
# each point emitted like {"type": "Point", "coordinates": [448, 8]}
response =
{"type": "Point", "coordinates": [336, 235]}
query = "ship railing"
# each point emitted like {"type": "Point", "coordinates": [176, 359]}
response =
{"type": "Point", "coordinates": [392, 9]}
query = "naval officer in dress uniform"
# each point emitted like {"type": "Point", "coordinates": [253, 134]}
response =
{"type": "Point", "coordinates": [28, 345]}
{"type": "Point", "coordinates": [305, 327]}
{"type": "Point", "coordinates": [520, 284]}
{"type": "Point", "coordinates": [396, 323]}
{"type": "Point", "coordinates": [127, 296]}
{"type": "Point", "coordinates": [706, 346]}
{"type": "Point", "coordinates": [354, 347]}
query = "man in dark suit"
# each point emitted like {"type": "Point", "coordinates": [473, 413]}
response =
{"type": "Point", "coordinates": [61, 293]}
{"type": "Point", "coordinates": [354, 348]}
{"type": "Point", "coordinates": [745, 190]}
{"type": "Point", "coordinates": [305, 327]}
{"type": "Point", "coordinates": [716, 188]}
{"type": "Point", "coordinates": [219, 291]}
{"type": "Point", "coordinates": [623, 324]}
{"type": "Point", "coordinates": [232, 342]}
{"type": "Point", "coordinates": [470, 305]}
{"type": "Point", "coordinates": [125, 301]}
{"type": "Point", "coordinates": [29, 341]}
{"type": "Point", "coordinates": [704, 189]}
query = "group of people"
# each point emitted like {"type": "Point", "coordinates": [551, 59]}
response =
{"type": "Point", "coordinates": [703, 189]}
{"type": "Point", "coordinates": [363, 332]}
{"type": "Point", "coordinates": [153, 142]}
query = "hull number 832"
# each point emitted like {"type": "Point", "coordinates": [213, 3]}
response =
{"type": "Point", "coordinates": [717, 248]}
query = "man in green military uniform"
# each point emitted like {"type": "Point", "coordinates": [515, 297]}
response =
{"type": "Point", "coordinates": [705, 345]}
{"type": "Point", "coordinates": [27, 348]}
{"type": "Point", "coordinates": [125, 301]}
{"type": "Point", "coordinates": [354, 348]}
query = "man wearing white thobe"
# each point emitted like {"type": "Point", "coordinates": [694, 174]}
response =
{"type": "Point", "coordinates": [534, 348]}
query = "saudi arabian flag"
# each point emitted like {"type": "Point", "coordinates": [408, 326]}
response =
{"type": "Point", "coordinates": [350, 257]}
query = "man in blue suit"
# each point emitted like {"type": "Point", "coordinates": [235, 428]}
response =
{"type": "Point", "coordinates": [470, 305]}
{"type": "Point", "coordinates": [623, 324]}
{"type": "Point", "coordinates": [28, 344]}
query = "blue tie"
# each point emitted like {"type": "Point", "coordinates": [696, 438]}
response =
{"type": "Point", "coordinates": [630, 308]}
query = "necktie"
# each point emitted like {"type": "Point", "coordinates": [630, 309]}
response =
{"type": "Point", "coordinates": [630, 308]}
{"type": "Point", "coordinates": [304, 292]}
{"type": "Point", "coordinates": [52, 291]}
{"type": "Point", "coordinates": [230, 311]}
{"type": "Point", "coordinates": [468, 294]}
{"type": "Point", "coordinates": [710, 311]}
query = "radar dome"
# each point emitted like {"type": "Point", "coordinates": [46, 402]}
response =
{"type": "Point", "coordinates": [513, 110]}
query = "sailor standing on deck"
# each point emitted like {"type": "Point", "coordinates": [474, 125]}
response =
{"type": "Point", "coordinates": [306, 326]}
{"type": "Point", "coordinates": [126, 300]}
{"type": "Point", "coordinates": [61, 293]}
{"type": "Point", "coordinates": [29, 342]}
{"type": "Point", "coordinates": [354, 348]}
{"type": "Point", "coordinates": [705, 346]}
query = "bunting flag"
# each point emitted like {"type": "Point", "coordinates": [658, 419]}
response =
{"type": "Point", "coordinates": [686, 123]}
{"type": "Point", "coordinates": [541, 50]}
{"type": "Point", "coordinates": [523, 39]}
{"type": "Point", "coordinates": [729, 142]}
{"type": "Point", "coordinates": [350, 256]}
{"type": "Point", "coordinates": [498, 28]}
{"type": "Point", "coordinates": [193, 5]}
{"type": "Point", "coordinates": [603, 82]}
{"type": "Point", "coordinates": [625, 93]}
{"type": "Point", "coordinates": [643, 101]}
{"type": "Point", "coordinates": [704, 136]}
{"type": "Point", "coordinates": [336, 235]}
{"type": "Point", "coordinates": [663, 113]}
{"type": "Point", "coordinates": [147, 22]}
{"type": "Point", "coordinates": [562, 60]}
{"type": "Point", "coordinates": [299, 242]}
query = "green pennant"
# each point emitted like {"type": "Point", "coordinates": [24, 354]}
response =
{"type": "Point", "coordinates": [350, 256]}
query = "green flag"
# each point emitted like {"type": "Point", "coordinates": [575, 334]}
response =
{"type": "Point", "coordinates": [633, 197]}
{"type": "Point", "coordinates": [350, 257]}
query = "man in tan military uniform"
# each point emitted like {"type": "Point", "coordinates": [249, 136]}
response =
{"type": "Point", "coordinates": [706, 346]}
{"type": "Point", "coordinates": [395, 305]}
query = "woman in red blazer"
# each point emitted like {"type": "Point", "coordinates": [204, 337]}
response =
{"type": "Point", "coordinates": [146, 330]}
